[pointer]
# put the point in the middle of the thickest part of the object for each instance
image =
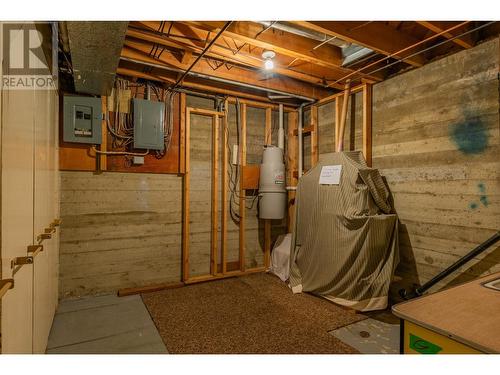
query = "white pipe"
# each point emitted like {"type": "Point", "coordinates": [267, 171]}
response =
{"type": "Point", "coordinates": [281, 131]}
{"type": "Point", "coordinates": [300, 167]}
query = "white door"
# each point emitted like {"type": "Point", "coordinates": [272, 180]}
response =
{"type": "Point", "coordinates": [17, 218]}
{"type": "Point", "coordinates": [29, 204]}
{"type": "Point", "coordinates": [43, 216]}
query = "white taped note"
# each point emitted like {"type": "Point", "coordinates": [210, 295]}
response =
{"type": "Point", "coordinates": [330, 175]}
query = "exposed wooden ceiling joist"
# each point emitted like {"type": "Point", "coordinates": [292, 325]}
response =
{"type": "Point", "coordinates": [217, 51]}
{"type": "Point", "coordinates": [303, 66]}
{"type": "Point", "coordinates": [246, 50]}
{"type": "Point", "coordinates": [440, 26]}
{"type": "Point", "coordinates": [284, 43]}
{"type": "Point", "coordinates": [139, 52]}
{"type": "Point", "coordinates": [279, 41]}
{"type": "Point", "coordinates": [188, 83]}
{"type": "Point", "coordinates": [374, 35]}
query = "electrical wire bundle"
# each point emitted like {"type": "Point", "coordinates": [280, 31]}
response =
{"type": "Point", "coordinates": [122, 126]}
{"type": "Point", "coordinates": [167, 97]}
{"type": "Point", "coordinates": [235, 175]}
{"type": "Point", "coordinates": [121, 129]}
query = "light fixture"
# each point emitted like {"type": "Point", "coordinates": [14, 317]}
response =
{"type": "Point", "coordinates": [268, 59]}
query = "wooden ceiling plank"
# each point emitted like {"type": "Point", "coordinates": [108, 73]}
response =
{"type": "Point", "coordinates": [438, 27]}
{"type": "Point", "coordinates": [140, 53]}
{"type": "Point", "coordinates": [374, 35]}
{"type": "Point", "coordinates": [318, 67]}
{"type": "Point", "coordinates": [283, 43]}
{"type": "Point", "coordinates": [194, 85]}
{"type": "Point", "coordinates": [280, 42]}
{"type": "Point", "coordinates": [221, 52]}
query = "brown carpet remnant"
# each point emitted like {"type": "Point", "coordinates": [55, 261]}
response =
{"type": "Point", "coordinates": [251, 314]}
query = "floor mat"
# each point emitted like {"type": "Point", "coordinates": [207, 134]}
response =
{"type": "Point", "coordinates": [251, 314]}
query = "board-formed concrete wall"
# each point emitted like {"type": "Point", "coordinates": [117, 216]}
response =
{"type": "Point", "coordinates": [124, 229]}
{"type": "Point", "coordinates": [436, 140]}
{"type": "Point", "coordinates": [118, 230]}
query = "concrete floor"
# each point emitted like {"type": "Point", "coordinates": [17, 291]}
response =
{"type": "Point", "coordinates": [371, 336]}
{"type": "Point", "coordinates": [104, 325]}
{"type": "Point", "coordinates": [122, 325]}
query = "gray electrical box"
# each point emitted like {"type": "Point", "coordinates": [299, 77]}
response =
{"type": "Point", "coordinates": [148, 124]}
{"type": "Point", "coordinates": [82, 119]}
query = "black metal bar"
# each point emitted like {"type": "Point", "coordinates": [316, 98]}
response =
{"type": "Point", "coordinates": [473, 253]}
{"type": "Point", "coordinates": [224, 28]}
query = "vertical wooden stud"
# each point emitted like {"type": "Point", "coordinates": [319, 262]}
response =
{"type": "Point", "coordinates": [268, 133]}
{"type": "Point", "coordinates": [267, 223]}
{"type": "Point", "coordinates": [367, 123]}
{"type": "Point", "coordinates": [182, 133]}
{"type": "Point", "coordinates": [215, 193]}
{"type": "Point", "coordinates": [185, 202]}
{"type": "Point", "coordinates": [343, 116]}
{"type": "Point", "coordinates": [292, 176]}
{"type": "Point", "coordinates": [224, 207]}
{"type": "Point", "coordinates": [314, 135]}
{"type": "Point", "coordinates": [243, 158]}
{"type": "Point", "coordinates": [338, 110]}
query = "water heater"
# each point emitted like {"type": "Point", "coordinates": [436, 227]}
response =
{"type": "Point", "coordinates": [272, 192]}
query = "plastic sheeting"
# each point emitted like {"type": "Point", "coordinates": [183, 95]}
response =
{"type": "Point", "coordinates": [280, 257]}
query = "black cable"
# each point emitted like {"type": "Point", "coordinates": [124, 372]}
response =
{"type": "Point", "coordinates": [224, 28]}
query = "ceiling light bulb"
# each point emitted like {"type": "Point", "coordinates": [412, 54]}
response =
{"type": "Point", "coordinates": [268, 59]}
{"type": "Point", "coordinates": [268, 64]}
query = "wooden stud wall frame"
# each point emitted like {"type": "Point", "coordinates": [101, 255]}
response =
{"type": "Point", "coordinates": [291, 166]}
{"type": "Point", "coordinates": [220, 119]}
{"type": "Point", "coordinates": [214, 187]}
{"type": "Point", "coordinates": [367, 122]}
{"type": "Point", "coordinates": [242, 149]}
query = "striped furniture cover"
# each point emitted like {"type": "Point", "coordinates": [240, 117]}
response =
{"type": "Point", "coordinates": [345, 237]}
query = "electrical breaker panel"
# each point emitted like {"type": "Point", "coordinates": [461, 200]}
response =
{"type": "Point", "coordinates": [148, 124]}
{"type": "Point", "coordinates": [82, 119]}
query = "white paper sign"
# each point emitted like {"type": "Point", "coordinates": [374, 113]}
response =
{"type": "Point", "coordinates": [330, 175]}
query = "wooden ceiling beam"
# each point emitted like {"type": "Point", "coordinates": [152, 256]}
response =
{"type": "Point", "coordinates": [279, 41]}
{"type": "Point", "coordinates": [133, 73]}
{"type": "Point", "coordinates": [218, 51]}
{"type": "Point", "coordinates": [439, 26]}
{"type": "Point", "coordinates": [374, 35]}
{"type": "Point", "coordinates": [315, 62]}
{"type": "Point", "coordinates": [139, 52]}
{"type": "Point", "coordinates": [300, 48]}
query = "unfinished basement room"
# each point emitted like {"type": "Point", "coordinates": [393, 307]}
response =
{"type": "Point", "coordinates": [249, 187]}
